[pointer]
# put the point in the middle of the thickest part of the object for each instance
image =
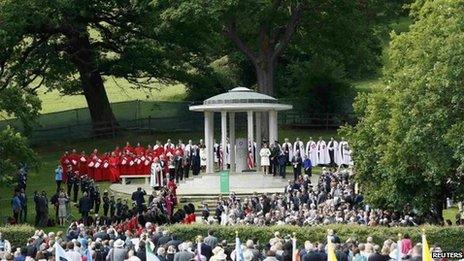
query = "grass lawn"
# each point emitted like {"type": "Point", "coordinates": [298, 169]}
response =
{"type": "Point", "coordinates": [42, 178]}
{"type": "Point", "coordinates": [118, 90]}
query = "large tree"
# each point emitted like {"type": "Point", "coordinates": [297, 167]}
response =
{"type": "Point", "coordinates": [408, 144]}
{"type": "Point", "coordinates": [72, 45]}
{"type": "Point", "coordinates": [268, 33]}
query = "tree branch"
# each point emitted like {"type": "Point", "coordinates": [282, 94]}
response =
{"type": "Point", "coordinates": [231, 33]}
{"type": "Point", "coordinates": [290, 28]}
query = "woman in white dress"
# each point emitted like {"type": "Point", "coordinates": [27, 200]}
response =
{"type": "Point", "coordinates": [203, 157]}
{"type": "Point", "coordinates": [265, 153]}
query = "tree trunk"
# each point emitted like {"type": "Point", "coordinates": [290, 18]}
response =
{"type": "Point", "coordinates": [265, 79]}
{"type": "Point", "coordinates": [103, 119]}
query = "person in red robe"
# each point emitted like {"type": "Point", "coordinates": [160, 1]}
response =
{"type": "Point", "coordinates": [158, 149]}
{"type": "Point", "coordinates": [123, 164]}
{"type": "Point", "coordinates": [74, 159]}
{"type": "Point", "coordinates": [128, 148]}
{"type": "Point", "coordinates": [105, 168]}
{"type": "Point", "coordinates": [131, 165]}
{"type": "Point", "coordinates": [139, 150]}
{"type": "Point", "coordinates": [91, 167]}
{"type": "Point", "coordinates": [172, 187]}
{"type": "Point", "coordinates": [139, 163]}
{"type": "Point", "coordinates": [114, 167]}
{"type": "Point", "coordinates": [117, 151]}
{"type": "Point", "coordinates": [148, 160]}
{"type": "Point", "coordinates": [98, 170]}
{"type": "Point", "coordinates": [83, 164]}
{"type": "Point", "coordinates": [64, 162]}
{"type": "Point", "coordinates": [146, 170]}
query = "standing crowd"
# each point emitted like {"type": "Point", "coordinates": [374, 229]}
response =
{"type": "Point", "coordinates": [154, 243]}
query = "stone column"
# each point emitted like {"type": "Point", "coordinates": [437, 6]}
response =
{"type": "Point", "coordinates": [232, 140]}
{"type": "Point", "coordinates": [224, 138]}
{"type": "Point", "coordinates": [273, 135]}
{"type": "Point", "coordinates": [258, 139]}
{"type": "Point", "coordinates": [209, 137]}
{"type": "Point", "coordinates": [250, 129]}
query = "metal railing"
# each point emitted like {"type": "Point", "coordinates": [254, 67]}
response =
{"type": "Point", "coordinates": [157, 117]}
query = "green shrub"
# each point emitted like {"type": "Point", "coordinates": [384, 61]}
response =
{"type": "Point", "coordinates": [449, 238]}
{"type": "Point", "coordinates": [17, 235]}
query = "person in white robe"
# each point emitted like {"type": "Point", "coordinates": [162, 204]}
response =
{"type": "Point", "coordinates": [188, 149]}
{"type": "Point", "coordinates": [169, 145]}
{"type": "Point", "coordinates": [345, 153]}
{"type": "Point", "coordinates": [156, 174]}
{"type": "Point", "coordinates": [287, 149]}
{"type": "Point", "coordinates": [341, 145]}
{"type": "Point", "coordinates": [332, 147]}
{"type": "Point", "coordinates": [298, 146]}
{"type": "Point", "coordinates": [322, 152]}
{"type": "Point", "coordinates": [311, 151]}
{"type": "Point", "coordinates": [180, 144]}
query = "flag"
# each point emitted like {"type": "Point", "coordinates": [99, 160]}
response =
{"type": "Point", "coordinates": [426, 256]}
{"type": "Point", "coordinates": [238, 250]}
{"type": "Point", "coordinates": [60, 254]}
{"type": "Point", "coordinates": [150, 251]}
{"type": "Point", "coordinates": [398, 250]}
{"type": "Point", "coordinates": [330, 250]}
{"type": "Point", "coordinates": [295, 255]}
{"type": "Point", "coordinates": [199, 251]}
{"type": "Point", "coordinates": [88, 255]}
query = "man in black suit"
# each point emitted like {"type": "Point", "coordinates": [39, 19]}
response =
{"type": "Point", "coordinates": [178, 167]}
{"type": "Point", "coordinates": [275, 151]}
{"type": "Point", "coordinates": [139, 199]}
{"type": "Point", "coordinates": [85, 205]}
{"type": "Point", "coordinates": [165, 238]}
{"type": "Point", "coordinates": [206, 250]}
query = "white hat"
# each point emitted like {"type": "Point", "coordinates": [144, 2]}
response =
{"type": "Point", "coordinates": [217, 249]}
{"type": "Point", "coordinates": [118, 243]}
{"type": "Point", "coordinates": [220, 256]}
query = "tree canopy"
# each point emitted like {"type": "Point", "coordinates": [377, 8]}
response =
{"type": "Point", "coordinates": [72, 45]}
{"type": "Point", "coordinates": [408, 144]}
{"type": "Point", "coordinates": [284, 48]}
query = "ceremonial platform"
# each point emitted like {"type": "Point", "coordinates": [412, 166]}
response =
{"type": "Point", "coordinates": [209, 184]}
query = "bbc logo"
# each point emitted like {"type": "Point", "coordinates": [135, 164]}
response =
{"type": "Point", "coordinates": [447, 255]}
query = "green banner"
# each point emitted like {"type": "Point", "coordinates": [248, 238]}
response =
{"type": "Point", "coordinates": [224, 181]}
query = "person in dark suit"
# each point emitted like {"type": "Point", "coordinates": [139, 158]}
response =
{"type": "Point", "coordinates": [165, 238]}
{"type": "Point", "coordinates": [139, 198]}
{"type": "Point", "coordinates": [211, 240]}
{"type": "Point", "coordinates": [282, 162]}
{"type": "Point", "coordinates": [296, 163]}
{"type": "Point", "coordinates": [206, 250]}
{"type": "Point", "coordinates": [195, 160]}
{"type": "Point", "coordinates": [178, 167]}
{"type": "Point", "coordinates": [85, 205]}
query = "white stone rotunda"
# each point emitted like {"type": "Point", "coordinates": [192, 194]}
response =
{"type": "Point", "coordinates": [238, 100]}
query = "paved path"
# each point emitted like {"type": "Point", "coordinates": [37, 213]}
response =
{"type": "Point", "coordinates": [208, 184]}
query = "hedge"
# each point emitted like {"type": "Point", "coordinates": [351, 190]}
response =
{"type": "Point", "coordinates": [17, 235]}
{"type": "Point", "coordinates": [448, 238]}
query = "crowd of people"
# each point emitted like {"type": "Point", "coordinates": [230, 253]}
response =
{"type": "Point", "coordinates": [335, 199]}
{"type": "Point", "coordinates": [151, 242]}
